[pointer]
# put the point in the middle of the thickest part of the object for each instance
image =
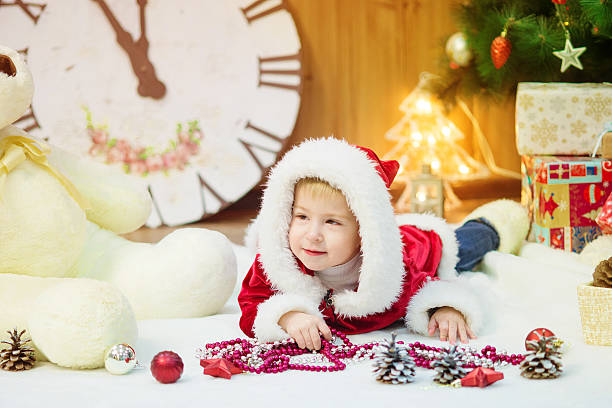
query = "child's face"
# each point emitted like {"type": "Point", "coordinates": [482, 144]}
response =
{"type": "Point", "coordinates": [323, 231]}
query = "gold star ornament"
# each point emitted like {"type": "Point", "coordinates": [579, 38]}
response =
{"type": "Point", "coordinates": [569, 56]}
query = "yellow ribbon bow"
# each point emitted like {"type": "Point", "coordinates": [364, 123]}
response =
{"type": "Point", "coordinates": [14, 150]}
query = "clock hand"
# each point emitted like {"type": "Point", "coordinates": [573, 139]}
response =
{"type": "Point", "coordinates": [148, 83]}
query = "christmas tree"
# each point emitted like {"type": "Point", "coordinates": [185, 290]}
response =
{"type": "Point", "coordinates": [425, 135]}
{"type": "Point", "coordinates": [506, 42]}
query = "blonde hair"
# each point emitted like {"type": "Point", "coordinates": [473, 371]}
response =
{"type": "Point", "coordinates": [317, 188]}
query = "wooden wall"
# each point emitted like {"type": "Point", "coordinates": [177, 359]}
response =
{"type": "Point", "coordinates": [362, 57]}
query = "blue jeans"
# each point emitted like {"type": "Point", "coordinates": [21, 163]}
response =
{"type": "Point", "coordinates": [476, 238]}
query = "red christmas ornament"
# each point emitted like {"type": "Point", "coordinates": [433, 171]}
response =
{"type": "Point", "coordinates": [167, 367]}
{"type": "Point", "coordinates": [481, 377]}
{"type": "Point", "coordinates": [604, 219]}
{"type": "Point", "coordinates": [219, 367]}
{"type": "Point", "coordinates": [500, 50]}
{"type": "Point", "coordinates": [535, 334]}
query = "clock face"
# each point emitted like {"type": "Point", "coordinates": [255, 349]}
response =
{"type": "Point", "coordinates": [195, 98]}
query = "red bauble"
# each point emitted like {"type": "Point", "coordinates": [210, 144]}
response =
{"type": "Point", "coordinates": [533, 335]}
{"type": "Point", "coordinates": [500, 51]}
{"type": "Point", "coordinates": [167, 367]}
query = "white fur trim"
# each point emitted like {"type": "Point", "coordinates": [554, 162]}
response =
{"type": "Point", "coordinates": [251, 236]}
{"type": "Point", "coordinates": [457, 293]}
{"type": "Point", "coordinates": [349, 169]}
{"type": "Point", "coordinates": [450, 247]}
{"type": "Point", "coordinates": [266, 326]}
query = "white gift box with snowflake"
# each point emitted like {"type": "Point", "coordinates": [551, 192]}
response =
{"type": "Point", "coordinates": [561, 118]}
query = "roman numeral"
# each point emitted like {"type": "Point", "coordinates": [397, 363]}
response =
{"type": "Point", "coordinates": [29, 121]}
{"type": "Point", "coordinates": [297, 73]}
{"type": "Point", "coordinates": [156, 208]}
{"type": "Point", "coordinates": [24, 53]}
{"type": "Point", "coordinates": [250, 147]}
{"type": "Point", "coordinates": [252, 15]}
{"type": "Point", "coordinates": [206, 187]}
{"type": "Point", "coordinates": [32, 10]}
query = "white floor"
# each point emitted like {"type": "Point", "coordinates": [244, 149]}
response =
{"type": "Point", "coordinates": [535, 290]}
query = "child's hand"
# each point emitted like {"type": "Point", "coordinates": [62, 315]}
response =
{"type": "Point", "coordinates": [450, 321]}
{"type": "Point", "coordinates": [305, 329]}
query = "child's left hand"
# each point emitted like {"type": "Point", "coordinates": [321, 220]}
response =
{"type": "Point", "coordinates": [450, 321]}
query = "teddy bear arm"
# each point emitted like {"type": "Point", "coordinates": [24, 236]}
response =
{"type": "Point", "coordinates": [118, 203]}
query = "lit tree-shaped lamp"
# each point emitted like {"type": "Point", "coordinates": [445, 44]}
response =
{"type": "Point", "coordinates": [425, 136]}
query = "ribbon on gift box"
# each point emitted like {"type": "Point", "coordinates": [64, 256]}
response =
{"type": "Point", "coordinates": [607, 128]}
{"type": "Point", "coordinates": [604, 218]}
{"type": "Point", "coordinates": [14, 150]}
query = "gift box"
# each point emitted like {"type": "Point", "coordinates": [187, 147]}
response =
{"type": "Point", "coordinates": [561, 118]}
{"type": "Point", "coordinates": [606, 145]}
{"type": "Point", "coordinates": [565, 194]}
{"type": "Point", "coordinates": [604, 219]}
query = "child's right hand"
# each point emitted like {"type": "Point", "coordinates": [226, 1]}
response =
{"type": "Point", "coordinates": [305, 329]}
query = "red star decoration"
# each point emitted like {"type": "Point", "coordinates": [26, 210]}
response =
{"type": "Point", "coordinates": [481, 377]}
{"type": "Point", "coordinates": [219, 367]}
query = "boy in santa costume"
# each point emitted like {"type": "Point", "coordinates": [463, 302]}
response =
{"type": "Point", "coordinates": [332, 253]}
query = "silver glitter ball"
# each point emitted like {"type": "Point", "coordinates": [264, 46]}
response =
{"type": "Point", "coordinates": [120, 359]}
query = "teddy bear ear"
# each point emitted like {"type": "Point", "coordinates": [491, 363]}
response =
{"type": "Point", "coordinates": [7, 66]}
{"type": "Point", "coordinates": [16, 86]}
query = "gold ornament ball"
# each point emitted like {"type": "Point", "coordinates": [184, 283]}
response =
{"type": "Point", "coordinates": [458, 50]}
{"type": "Point", "coordinates": [120, 359]}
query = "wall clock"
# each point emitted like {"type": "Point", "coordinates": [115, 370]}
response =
{"type": "Point", "coordinates": [194, 97]}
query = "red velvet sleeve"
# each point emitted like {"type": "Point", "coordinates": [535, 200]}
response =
{"type": "Point", "coordinates": [422, 255]}
{"type": "Point", "coordinates": [255, 290]}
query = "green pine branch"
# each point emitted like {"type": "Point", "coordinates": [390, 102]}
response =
{"type": "Point", "coordinates": [535, 29]}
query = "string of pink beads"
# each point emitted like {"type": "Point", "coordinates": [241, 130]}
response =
{"type": "Point", "coordinates": [488, 357]}
{"type": "Point", "coordinates": [280, 356]}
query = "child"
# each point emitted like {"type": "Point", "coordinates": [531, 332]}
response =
{"type": "Point", "coordinates": [331, 253]}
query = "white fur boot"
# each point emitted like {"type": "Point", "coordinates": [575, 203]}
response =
{"type": "Point", "coordinates": [509, 218]}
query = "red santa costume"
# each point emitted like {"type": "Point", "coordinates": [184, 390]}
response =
{"type": "Point", "coordinates": [407, 261]}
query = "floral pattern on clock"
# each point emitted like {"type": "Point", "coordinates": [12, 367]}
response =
{"type": "Point", "coordinates": [145, 160]}
{"type": "Point", "coordinates": [142, 67]}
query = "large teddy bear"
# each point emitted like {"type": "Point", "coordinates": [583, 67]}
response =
{"type": "Point", "coordinates": [65, 275]}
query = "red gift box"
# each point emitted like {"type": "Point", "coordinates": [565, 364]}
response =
{"type": "Point", "coordinates": [565, 194]}
{"type": "Point", "coordinates": [604, 219]}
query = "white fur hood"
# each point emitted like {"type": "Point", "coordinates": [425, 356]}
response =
{"type": "Point", "coordinates": [353, 171]}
